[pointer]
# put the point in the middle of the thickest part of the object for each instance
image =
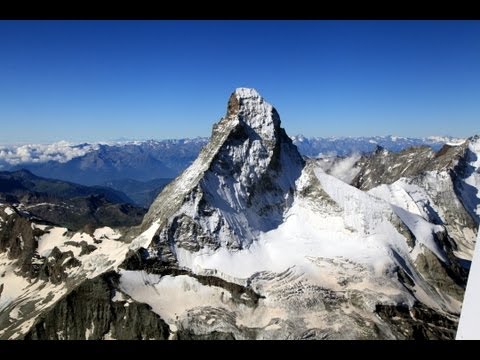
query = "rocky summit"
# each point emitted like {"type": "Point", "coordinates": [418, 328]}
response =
{"type": "Point", "coordinates": [252, 241]}
{"type": "Point", "coordinates": [240, 185]}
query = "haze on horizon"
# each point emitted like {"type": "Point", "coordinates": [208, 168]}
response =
{"type": "Point", "coordinates": [105, 80]}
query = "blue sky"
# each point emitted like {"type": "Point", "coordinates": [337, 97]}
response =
{"type": "Point", "coordinates": [102, 80]}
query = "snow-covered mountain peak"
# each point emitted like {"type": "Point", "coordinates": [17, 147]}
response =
{"type": "Point", "coordinates": [243, 179]}
{"type": "Point", "coordinates": [248, 107]}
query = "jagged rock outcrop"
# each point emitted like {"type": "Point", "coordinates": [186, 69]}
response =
{"type": "Point", "coordinates": [385, 167]}
{"type": "Point", "coordinates": [440, 186]}
{"type": "Point", "coordinates": [18, 239]}
{"type": "Point", "coordinates": [41, 264]}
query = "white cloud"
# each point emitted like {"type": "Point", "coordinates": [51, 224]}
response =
{"type": "Point", "coordinates": [61, 151]}
{"type": "Point", "coordinates": [344, 169]}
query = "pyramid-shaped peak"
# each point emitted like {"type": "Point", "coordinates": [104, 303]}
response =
{"type": "Point", "coordinates": [243, 179]}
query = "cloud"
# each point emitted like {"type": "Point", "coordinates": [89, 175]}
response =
{"type": "Point", "coordinates": [344, 169]}
{"type": "Point", "coordinates": [61, 151]}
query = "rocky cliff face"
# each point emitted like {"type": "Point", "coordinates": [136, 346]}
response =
{"type": "Point", "coordinates": [97, 310]}
{"type": "Point", "coordinates": [440, 186]}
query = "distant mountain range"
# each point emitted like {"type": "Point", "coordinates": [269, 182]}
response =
{"type": "Point", "coordinates": [96, 164]}
{"type": "Point", "coordinates": [141, 192]}
{"type": "Point", "coordinates": [67, 204]}
{"type": "Point", "coordinates": [344, 146]}
{"type": "Point", "coordinates": [141, 169]}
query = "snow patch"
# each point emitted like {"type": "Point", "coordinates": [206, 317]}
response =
{"type": "Point", "coordinates": [119, 297]}
{"type": "Point", "coordinates": [106, 232]}
{"type": "Point", "coordinates": [90, 331]}
{"type": "Point", "coordinates": [171, 296]}
{"type": "Point", "coordinates": [55, 237]}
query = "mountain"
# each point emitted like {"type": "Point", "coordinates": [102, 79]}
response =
{"type": "Point", "coordinates": [63, 203]}
{"type": "Point", "coordinates": [252, 241]}
{"type": "Point", "coordinates": [18, 183]}
{"type": "Point", "coordinates": [440, 186]}
{"type": "Point", "coordinates": [242, 181]}
{"type": "Point", "coordinates": [143, 193]}
{"type": "Point", "coordinates": [95, 165]}
{"type": "Point", "coordinates": [104, 164]}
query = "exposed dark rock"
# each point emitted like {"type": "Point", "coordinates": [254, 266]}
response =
{"type": "Point", "coordinates": [20, 241]}
{"type": "Point", "coordinates": [436, 275]}
{"type": "Point", "coordinates": [405, 279]}
{"type": "Point", "coordinates": [379, 168]}
{"type": "Point", "coordinates": [54, 267]}
{"type": "Point", "coordinates": [88, 312]}
{"type": "Point", "coordinates": [140, 261]}
{"type": "Point", "coordinates": [86, 248]}
{"type": "Point", "coordinates": [417, 323]}
{"type": "Point", "coordinates": [233, 105]}
{"type": "Point", "coordinates": [88, 212]}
